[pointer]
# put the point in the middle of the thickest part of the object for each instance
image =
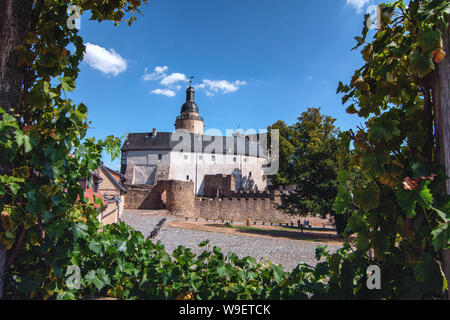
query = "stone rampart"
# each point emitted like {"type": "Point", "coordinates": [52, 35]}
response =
{"type": "Point", "coordinates": [178, 198]}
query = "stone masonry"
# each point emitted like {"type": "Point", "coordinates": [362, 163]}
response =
{"type": "Point", "coordinates": [178, 198]}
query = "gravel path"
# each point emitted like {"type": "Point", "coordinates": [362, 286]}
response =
{"type": "Point", "coordinates": [288, 253]}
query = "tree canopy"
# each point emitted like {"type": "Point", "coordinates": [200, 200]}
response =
{"type": "Point", "coordinates": [308, 157]}
{"type": "Point", "coordinates": [401, 215]}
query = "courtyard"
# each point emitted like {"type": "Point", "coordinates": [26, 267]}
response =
{"type": "Point", "coordinates": [279, 245]}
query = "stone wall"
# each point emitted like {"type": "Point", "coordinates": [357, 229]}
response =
{"type": "Point", "coordinates": [272, 195]}
{"type": "Point", "coordinates": [218, 185]}
{"type": "Point", "coordinates": [192, 125]}
{"type": "Point", "coordinates": [256, 209]}
{"type": "Point", "coordinates": [142, 197]}
{"type": "Point", "coordinates": [175, 196]}
{"type": "Point", "coordinates": [253, 209]}
{"type": "Point", "coordinates": [178, 198]}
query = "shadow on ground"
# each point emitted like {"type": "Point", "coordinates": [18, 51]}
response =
{"type": "Point", "coordinates": [315, 236]}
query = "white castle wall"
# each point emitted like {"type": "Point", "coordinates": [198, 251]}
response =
{"type": "Point", "coordinates": [184, 166]}
{"type": "Point", "coordinates": [145, 163]}
{"type": "Point", "coordinates": [197, 165]}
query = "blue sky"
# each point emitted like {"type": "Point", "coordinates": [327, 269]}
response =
{"type": "Point", "coordinates": [254, 62]}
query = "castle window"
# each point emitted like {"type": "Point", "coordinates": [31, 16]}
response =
{"type": "Point", "coordinates": [187, 177]}
{"type": "Point", "coordinates": [245, 159]}
{"type": "Point", "coordinates": [160, 157]}
{"type": "Point", "coordinates": [185, 157]}
{"type": "Point", "coordinates": [234, 159]}
{"type": "Point", "coordinates": [213, 158]}
{"type": "Point", "coordinates": [200, 157]}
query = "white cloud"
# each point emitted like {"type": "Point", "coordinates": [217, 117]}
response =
{"type": "Point", "coordinates": [171, 83]}
{"type": "Point", "coordinates": [159, 69]}
{"type": "Point", "coordinates": [107, 61]}
{"type": "Point", "coordinates": [158, 73]}
{"type": "Point", "coordinates": [358, 4]}
{"type": "Point", "coordinates": [213, 87]}
{"type": "Point", "coordinates": [168, 81]}
{"type": "Point", "coordinates": [164, 92]}
{"type": "Point", "coordinates": [200, 86]}
{"type": "Point", "coordinates": [173, 78]}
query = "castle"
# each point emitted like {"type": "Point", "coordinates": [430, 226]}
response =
{"type": "Point", "coordinates": [195, 175]}
{"type": "Point", "coordinates": [189, 155]}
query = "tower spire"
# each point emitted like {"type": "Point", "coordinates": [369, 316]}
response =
{"type": "Point", "coordinates": [189, 117]}
{"type": "Point", "coordinates": [189, 105]}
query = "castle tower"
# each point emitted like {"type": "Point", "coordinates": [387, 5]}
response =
{"type": "Point", "coordinates": [189, 118]}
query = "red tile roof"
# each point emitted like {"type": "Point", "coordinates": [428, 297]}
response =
{"type": "Point", "coordinates": [89, 193]}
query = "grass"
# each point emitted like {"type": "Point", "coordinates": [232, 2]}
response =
{"type": "Point", "coordinates": [229, 225]}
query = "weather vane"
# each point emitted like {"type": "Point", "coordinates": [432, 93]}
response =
{"type": "Point", "coordinates": [190, 81]}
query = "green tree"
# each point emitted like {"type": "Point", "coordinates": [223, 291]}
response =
{"type": "Point", "coordinates": [43, 149]}
{"type": "Point", "coordinates": [308, 156]}
{"type": "Point", "coordinates": [286, 150]}
{"type": "Point", "coordinates": [402, 215]}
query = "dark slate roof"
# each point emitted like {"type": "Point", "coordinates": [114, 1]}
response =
{"type": "Point", "coordinates": [190, 105]}
{"type": "Point", "coordinates": [167, 141]}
